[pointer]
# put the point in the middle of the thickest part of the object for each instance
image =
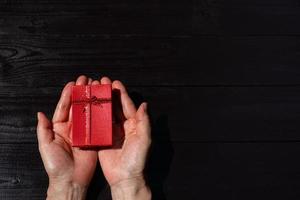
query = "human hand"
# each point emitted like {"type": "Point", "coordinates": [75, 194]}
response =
{"type": "Point", "coordinates": [124, 163]}
{"type": "Point", "coordinates": [70, 169]}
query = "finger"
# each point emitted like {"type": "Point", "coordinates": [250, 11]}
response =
{"type": "Point", "coordinates": [105, 80]}
{"type": "Point", "coordinates": [128, 106]}
{"type": "Point", "coordinates": [44, 129]}
{"type": "Point", "coordinates": [62, 110]}
{"type": "Point", "coordinates": [117, 110]}
{"type": "Point", "coordinates": [96, 82]}
{"type": "Point", "coordinates": [90, 81]}
{"type": "Point", "coordinates": [143, 127]}
{"type": "Point", "coordinates": [63, 130]}
{"type": "Point", "coordinates": [70, 114]}
{"type": "Point", "coordinates": [82, 80]}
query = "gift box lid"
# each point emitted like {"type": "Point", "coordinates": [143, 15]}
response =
{"type": "Point", "coordinates": [92, 115]}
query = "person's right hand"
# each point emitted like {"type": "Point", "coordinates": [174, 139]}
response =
{"type": "Point", "coordinates": [123, 164]}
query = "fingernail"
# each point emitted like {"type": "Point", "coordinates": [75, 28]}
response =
{"type": "Point", "coordinates": [38, 115]}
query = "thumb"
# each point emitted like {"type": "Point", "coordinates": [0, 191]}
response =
{"type": "Point", "coordinates": [143, 127]}
{"type": "Point", "coordinates": [44, 129]}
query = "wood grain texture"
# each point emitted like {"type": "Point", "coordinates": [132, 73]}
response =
{"type": "Point", "coordinates": [192, 61]}
{"type": "Point", "coordinates": [106, 17]}
{"type": "Point", "coordinates": [226, 171]}
{"type": "Point", "coordinates": [232, 171]}
{"type": "Point", "coordinates": [221, 79]}
{"type": "Point", "coordinates": [153, 17]}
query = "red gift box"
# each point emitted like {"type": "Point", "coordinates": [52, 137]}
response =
{"type": "Point", "coordinates": [91, 115]}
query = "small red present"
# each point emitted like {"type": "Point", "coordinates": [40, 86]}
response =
{"type": "Point", "coordinates": [92, 115]}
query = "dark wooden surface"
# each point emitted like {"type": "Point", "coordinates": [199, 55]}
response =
{"type": "Point", "coordinates": [222, 79]}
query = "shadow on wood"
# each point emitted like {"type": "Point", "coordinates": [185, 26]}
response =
{"type": "Point", "coordinates": [161, 153]}
{"type": "Point", "coordinates": [160, 157]}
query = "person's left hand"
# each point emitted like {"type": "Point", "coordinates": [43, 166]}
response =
{"type": "Point", "coordinates": [70, 169]}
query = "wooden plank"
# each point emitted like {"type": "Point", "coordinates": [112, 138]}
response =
{"type": "Point", "coordinates": [22, 174]}
{"type": "Point", "coordinates": [183, 114]}
{"type": "Point", "coordinates": [178, 170]}
{"type": "Point", "coordinates": [106, 17]}
{"type": "Point", "coordinates": [209, 61]}
{"type": "Point", "coordinates": [262, 18]}
{"type": "Point", "coordinates": [227, 171]}
{"type": "Point", "coordinates": [177, 18]}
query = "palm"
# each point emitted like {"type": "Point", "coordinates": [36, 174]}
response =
{"type": "Point", "coordinates": [61, 160]}
{"type": "Point", "coordinates": [118, 159]}
{"type": "Point", "coordinates": [78, 165]}
{"type": "Point", "coordinates": [127, 156]}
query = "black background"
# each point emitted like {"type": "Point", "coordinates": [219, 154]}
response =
{"type": "Point", "coordinates": [222, 79]}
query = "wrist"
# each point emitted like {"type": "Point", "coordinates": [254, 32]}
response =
{"type": "Point", "coordinates": [131, 189]}
{"type": "Point", "coordinates": [66, 191]}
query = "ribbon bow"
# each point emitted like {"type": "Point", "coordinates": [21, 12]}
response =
{"type": "Point", "coordinates": [93, 100]}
